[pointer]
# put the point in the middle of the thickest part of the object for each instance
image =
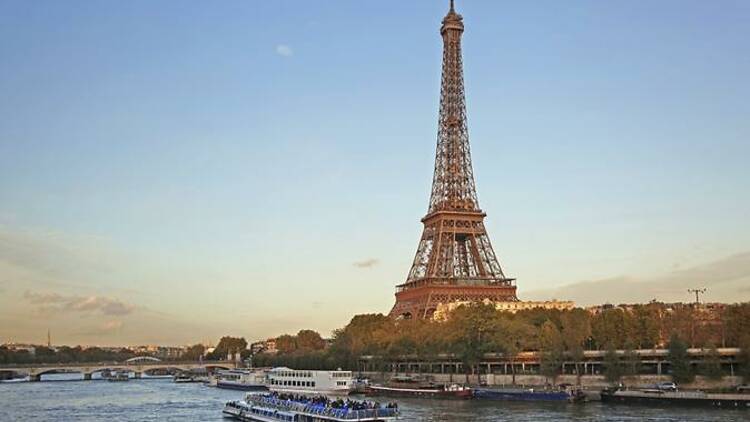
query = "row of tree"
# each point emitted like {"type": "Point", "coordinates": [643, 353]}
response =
{"type": "Point", "coordinates": [63, 354]}
{"type": "Point", "coordinates": [471, 331]}
{"type": "Point", "coordinates": [682, 370]}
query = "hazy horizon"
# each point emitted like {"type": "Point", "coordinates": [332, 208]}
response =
{"type": "Point", "coordinates": [173, 172]}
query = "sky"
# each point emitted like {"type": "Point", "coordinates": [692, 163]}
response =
{"type": "Point", "coordinates": [175, 171]}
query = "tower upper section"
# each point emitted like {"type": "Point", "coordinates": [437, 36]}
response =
{"type": "Point", "coordinates": [453, 187]}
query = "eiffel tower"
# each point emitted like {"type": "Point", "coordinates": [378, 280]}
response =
{"type": "Point", "coordinates": [454, 259]}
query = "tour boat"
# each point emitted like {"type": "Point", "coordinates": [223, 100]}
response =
{"type": "Point", "coordinates": [329, 383]}
{"type": "Point", "coordinates": [661, 397]}
{"type": "Point", "coordinates": [184, 378]}
{"type": "Point", "coordinates": [273, 407]}
{"type": "Point", "coordinates": [118, 376]}
{"type": "Point", "coordinates": [529, 394]}
{"type": "Point", "coordinates": [407, 386]}
{"type": "Point", "coordinates": [242, 379]}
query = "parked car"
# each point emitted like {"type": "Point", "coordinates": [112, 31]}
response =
{"type": "Point", "coordinates": [666, 386]}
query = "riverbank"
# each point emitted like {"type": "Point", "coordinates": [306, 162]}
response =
{"type": "Point", "coordinates": [587, 382]}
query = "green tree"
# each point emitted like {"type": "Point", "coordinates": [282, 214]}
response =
{"type": "Point", "coordinates": [631, 362]}
{"type": "Point", "coordinates": [736, 324]}
{"type": "Point", "coordinates": [472, 332]}
{"type": "Point", "coordinates": [194, 352]}
{"type": "Point", "coordinates": [226, 346]}
{"type": "Point", "coordinates": [646, 326]}
{"type": "Point", "coordinates": [308, 340]}
{"type": "Point", "coordinates": [286, 344]}
{"type": "Point", "coordinates": [608, 328]}
{"type": "Point", "coordinates": [518, 335]}
{"type": "Point", "coordinates": [679, 361]}
{"type": "Point", "coordinates": [576, 328]}
{"type": "Point", "coordinates": [551, 350]}
{"type": "Point", "coordinates": [612, 366]}
{"type": "Point", "coordinates": [744, 358]}
{"type": "Point", "coordinates": [710, 367]}
{"type": "Point", "coordinates": [366, 334]}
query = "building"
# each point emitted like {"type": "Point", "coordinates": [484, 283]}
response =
{"type": "Point", "coordinates": [264, 346]}
{"type": "Point", "coordinates": [161, 352]}
{"type": "Point", "coordinates": [17, 347]}
{"type": "Point", "coordinates": [443, 309]}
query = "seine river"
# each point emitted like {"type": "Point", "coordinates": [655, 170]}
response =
{"type": "Point", "coordinates": [163, 400]}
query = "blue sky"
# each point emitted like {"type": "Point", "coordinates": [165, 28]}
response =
{"type": "Point", "coordinates": [221, 168]}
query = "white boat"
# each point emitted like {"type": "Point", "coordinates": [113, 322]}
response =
{"type": "Point", "coordinates": [328, 383]}
{"type": "Point", "coordinates": [183, 378]}
{"type": "Point", "coordinates": [242, 379]}
{"type": "Point", "coordinates": [118, 376]}
{"type": "Point", "coordinates": [273, 407]}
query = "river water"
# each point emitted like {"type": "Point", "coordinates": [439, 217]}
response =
{"type": "Point", "coordinates": [163, 400]}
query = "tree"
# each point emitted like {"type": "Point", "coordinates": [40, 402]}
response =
{"type": "Point", "coordinates": [551, 350]}
{"type": "Point", "coordinates": [631, 362]}
{"type": "Point", "coordinates": [226, 346]}
{"type": "Point", "coordinates": [472, 332]}
{"type": "Point", "coordinates": [736, 324]}
{"type": "Point", "coordinates": [366, 334]}
{"type": "Point", "coordinates": [308, 340]}
{"type": "Point", "coordinates": [646, 326]}
{"type": "Point", "coordinates": [518, 334]}
{"type": "Point", "coordinates": [608, 328]}
{"type": "Point", "coordinates": [194, 352]}
{"type": "Point", "coordinates": [744, 358]}
{"type": "Point", "coordinates": [612, 366]}
{"type": "Point", "coordinates": [286, 344]}
{"type": "Point", "coordinates": [679, 360]}
{"type": "Point", "coordinates": [710, 367]}
{"type": "Point", "coordinates": [576, 328]}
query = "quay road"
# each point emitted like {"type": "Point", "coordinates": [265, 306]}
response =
{"type": "Point", "coordinates": [137, 365]}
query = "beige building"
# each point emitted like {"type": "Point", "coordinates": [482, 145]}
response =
{"type": "Point", "coordinates": [443, 309]}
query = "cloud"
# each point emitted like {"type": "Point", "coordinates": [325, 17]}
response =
{"type": "Point", "coordinates": [49, 303]}
{"type": "Point", "coordinates": [724, 279]}
{"type": "Point", "coordinates": [104, 329]}
{"type": "Point", "coordinates": [368, 263]}
{"type": "Point", "coordinates": [284, 50]}
{"type": "Point", "coordinates": [112, 325]}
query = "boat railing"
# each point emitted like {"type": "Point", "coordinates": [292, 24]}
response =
{"type": "Point", "coordinates": [322, 410]}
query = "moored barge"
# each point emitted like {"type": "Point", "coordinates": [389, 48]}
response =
{"type": "Point", "coordinates": [406, 386]}
{"type": "Point", "coordinates": [677, 398]}
{"type": "Point", "coordinates": [529, 394]}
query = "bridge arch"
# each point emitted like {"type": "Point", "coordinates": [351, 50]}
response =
{"type": "Point", "coordinates": [143, 359]}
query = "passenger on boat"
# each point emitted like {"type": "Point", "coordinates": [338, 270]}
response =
{"type": "Point", "coordinates": [334, 404]}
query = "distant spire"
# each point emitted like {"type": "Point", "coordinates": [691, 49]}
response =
{"type": "Point", "coordinates": [452, 8]}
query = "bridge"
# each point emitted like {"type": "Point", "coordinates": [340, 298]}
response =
{"type": "Point", "coordinates": [137, 366]}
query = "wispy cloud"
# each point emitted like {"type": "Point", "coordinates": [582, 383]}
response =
{"type": "Point", "coordinates": [368, 263]}
{"type": "Point", "coordinates": [48, 303]}
{"type": "Point", "coordinates": [284, 50]}
{"type": "Point", "coordinates": [104, 329]}
{"type": "Point", "coordinates": [726, 279]}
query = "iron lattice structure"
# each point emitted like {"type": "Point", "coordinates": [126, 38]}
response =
{"type": "Point", "coordinates": [454, 260]}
